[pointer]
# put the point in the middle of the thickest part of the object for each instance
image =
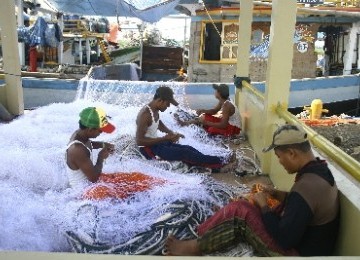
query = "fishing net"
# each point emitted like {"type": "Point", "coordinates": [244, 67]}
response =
{"type": "Point", "coordinates": [179, 218]}
{"type": "Point", "coordinates": [34, 174]}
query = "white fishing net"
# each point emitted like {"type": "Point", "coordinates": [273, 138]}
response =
{"type": "Point", "coordinates": [38, 207]}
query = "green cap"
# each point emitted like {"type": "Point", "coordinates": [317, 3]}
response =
{"type": "Point", "coordinates": [95, 117]}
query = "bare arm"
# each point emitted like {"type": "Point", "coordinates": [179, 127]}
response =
{"type": "Point", "coordinates": [212, 111]}
{"type": "Point", "coordinates": [100, 145]}
{"type": "Point", "coordinates": [143, 121]}
{"type": "Point", "coordinates": [79, 158]}
{"type": "Point", "coordinates": [228, 110]}
{"type": "Point", "coordinates": [163, 128]}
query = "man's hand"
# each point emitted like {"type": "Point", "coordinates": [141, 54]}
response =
{"type": "Point", "coordinates": [199, 111]}
{"type": "Point", "coordinates": [202, 119]}
{"type": "Point", "coordinates": [106, 150]}
{"type": "Point", "coordinates": [110, 147]}
{"type": "Point", "coordinates": [260, 199]}
{"type": "Point", "coordinates": [180, 135]}
{"type": "Point", "coordinates": [173, 137]}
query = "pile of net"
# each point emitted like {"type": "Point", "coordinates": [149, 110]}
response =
{"type": "Point", "coordinates": [179, 218]}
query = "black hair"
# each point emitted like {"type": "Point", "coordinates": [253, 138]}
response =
{"type": "Point", "coordinates": [164, 93]}
{"type": "Point", "coordinates": [303, 147]}
{"type": "Point", "coordinates": [223, 90]}
{"type": "Point", "coordinates": [81, 126]}
{"type": "Point", "coordinates": [223, 96]}
{"type": "Point", "coordinates": [156, 96]}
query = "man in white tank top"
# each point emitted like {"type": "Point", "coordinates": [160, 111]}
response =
{"type": "Point", "coordinates": [223, 119]}
{"type": "Point", "coordinates": [166, 147]}
{"type": "Point", "coordinates": [82, 170]}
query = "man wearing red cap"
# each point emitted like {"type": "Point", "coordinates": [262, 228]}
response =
{"type": "Point", "coordinates": [166, 147]}
{"type": "Point", "coordinates": [82, 170]}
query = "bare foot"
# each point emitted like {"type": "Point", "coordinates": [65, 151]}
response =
{"type": "Point", "coordinates": [174, 246]}
{"type": "Point", "coordinates": [230, 167]}
{"type": "Point", "coordinates": [232, 157]}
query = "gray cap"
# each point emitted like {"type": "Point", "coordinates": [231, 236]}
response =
{"type": "Point", "coordinates": [285, 135]}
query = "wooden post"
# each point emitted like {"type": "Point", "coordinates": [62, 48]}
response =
{"type": "Point", "coordinates": [351, 46]}
{"type": "Point", "coordinates": [244, 37]}
{"type": "Point", "coordinates": [20, 20]}
{"type": "Point", "coordinates": [279, 66]}
{"type": "Point", "coordinates": [88, 50]}
{"type": "Point", "coordinates": [243, 54]}
{"type": "Point", "coordinates": [14, 101]}
{"type": "Point", "coordinates": [60, 48]}
{"type": "Point", "coordinates": [80, 52]}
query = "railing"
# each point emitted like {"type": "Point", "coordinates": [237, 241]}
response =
{"type": "Point", "coordinates": [335, 153]}
{"type": "Point", "coordinates": [343, 3]}
{"type": "Point", "coordinates": [335, 3]}
{"type": "Point", "coordinates": [344, 160]}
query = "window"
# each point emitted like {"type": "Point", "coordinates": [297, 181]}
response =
{"type": "Point", "coordinates": [229, 41]}
{"type": "Point", "coordinates": [211, 41]}
{"type": "Point", "coordinates": [219, 44]}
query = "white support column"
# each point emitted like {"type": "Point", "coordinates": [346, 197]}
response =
{"type": "Point", "coordinates": [87, 49]}
{"type": "Point", "coordinates": [60, 48]}
{"type": "Point", "coordinates": [98, 50]}
{"type": "Point", "coordinates": [20, 22]}
{"type": "Point", "coordinates": [350, 48]}
{"type": "Point", "coordinates": [243, 55]}
{"type": "Point", "coordinates": [279, 66]}
{"type": "Point", "coordinates": [80, 52]}
{"type": "Point", "coordinates": [358, 48]}
{"type": "Point", "coordinates": [185, 29]}
{"type": "Point", "coordinates": [244, 37]}
{"type": "Point", "coordinates": [14, 101]}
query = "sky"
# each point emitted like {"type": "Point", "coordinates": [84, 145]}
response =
{"type": "Point", "coordinates": [171, 27]}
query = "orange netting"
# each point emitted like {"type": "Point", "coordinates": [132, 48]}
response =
{"type": "Point", "coordinates": [329, 121]}
{"type": "Point", "coordinates": [121, 185]}
{"type": "Point", "coordinates": [271, 202]}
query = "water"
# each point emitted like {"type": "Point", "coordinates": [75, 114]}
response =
{"type": "Point", "coordinates": [37, 206]}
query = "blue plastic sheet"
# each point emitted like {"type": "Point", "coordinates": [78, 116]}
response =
{"type": "Point", "coordinates": [41, 33]}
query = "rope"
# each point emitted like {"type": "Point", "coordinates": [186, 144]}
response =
{"type": "Point", "coordinates": [212, 21]}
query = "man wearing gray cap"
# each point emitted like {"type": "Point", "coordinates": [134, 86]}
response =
{"type": "Point", "coordinates": [306, 222]}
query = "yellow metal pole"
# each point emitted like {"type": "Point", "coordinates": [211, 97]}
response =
{"type": "Point", "coordinates": [348, 163]}
{"type": "Point", "coordinates": [253, 90]}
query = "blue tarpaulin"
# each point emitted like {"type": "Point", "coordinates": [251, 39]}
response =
{"type": "Point", "coordinates": [41, 33]}
{"type": "Point", "coordinates": [146, 10]}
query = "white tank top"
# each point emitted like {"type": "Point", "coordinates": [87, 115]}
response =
{"type": "Point", "coordinates": [235, 118]}
{"type": "Point", "coordinates": [151, 132]}
{"type": "Point", "coordinates": [78, 179]}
